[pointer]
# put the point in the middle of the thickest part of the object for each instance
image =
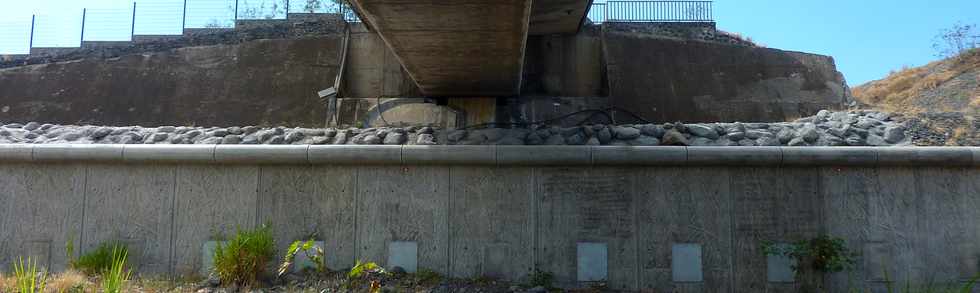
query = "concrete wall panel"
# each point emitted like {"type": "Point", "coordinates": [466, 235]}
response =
{"type": "Point", "coordinates": [211, 202]}
{"type": "Point", "coordinates": [491, 222]}
{"type": "Point", "coordinates": [846, 193]}
{"type": "Point", "coordinates": [40, 210]}
{"type": "Point", "coordinates": [300, 202]}
{"type": "Point", "coordinates": [771, 204]}
{"type": "Point", "coordinates": [946, 244]}
{"type": "Point", "coordinates": [134, 205]}
{"type": "Point", "coordinates": [672, 209]}
{"type": "Point", "coordinates": [403, 204]}
{"type": "Point", "coordinates": [585, 205]}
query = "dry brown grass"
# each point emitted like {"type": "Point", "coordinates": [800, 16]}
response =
{"type": "Point", "coordinates": [898, 92]}
{"type": "Point", "coordinates": [68, 280]}
{"type": "Point", "coordinates": [7, 283]}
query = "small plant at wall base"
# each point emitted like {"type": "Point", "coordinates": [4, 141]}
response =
{"type": "Point", "coordinates": [115, 277]}
{"type": "Point", "coordinates": [313, 253]}
{"type": "Point", "coordinates": [823, 254]}
{"type": "Point", "coordinates": [539, 278]}
{"type": "Point", "coordinates": [30, 278]}
{"type": "Point", "coordinates": [365, 271]}
{"type": "Point", "coordinates": [96, 261]}
{"type": "Point", "coordinates": [244, 257]}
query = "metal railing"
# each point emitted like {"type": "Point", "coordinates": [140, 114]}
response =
{"type": "Point", "coordinates": [652, 11]}
{"type": "Point", "coordinates": [68, 28]}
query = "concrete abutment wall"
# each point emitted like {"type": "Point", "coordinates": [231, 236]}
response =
{"type": "Point", "coordinates": [503, 211]}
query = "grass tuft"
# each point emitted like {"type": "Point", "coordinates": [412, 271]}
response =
{"type": "Point", "coordinates": [114, 279]}
{"type": "Point", "coordinates": [244, 257]}
{"type": "Point", "coordinates": [99, 260]}
{"type": "Point", "coordinates": [29, 277]}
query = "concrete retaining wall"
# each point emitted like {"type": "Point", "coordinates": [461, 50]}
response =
{"type": "Point", "coordinates": [499, 210]}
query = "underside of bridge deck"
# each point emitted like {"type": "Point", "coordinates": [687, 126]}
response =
{"type": "Point", "coordinates": [467, 48]}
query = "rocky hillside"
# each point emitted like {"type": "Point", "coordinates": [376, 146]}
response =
{"type": "Point", "coordinates": [939, 102]}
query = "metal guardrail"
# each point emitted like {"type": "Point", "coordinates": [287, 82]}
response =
{"type": "Point", "coordinates": [652, 11]}
{"type": "Point", "coordinates": [68, 28]}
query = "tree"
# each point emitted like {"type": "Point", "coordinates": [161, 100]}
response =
{"type": "Point", "coordinates": [956, 40]}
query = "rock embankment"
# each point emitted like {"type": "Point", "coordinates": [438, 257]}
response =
{"type": "Point", "coordinates": [855, 128]}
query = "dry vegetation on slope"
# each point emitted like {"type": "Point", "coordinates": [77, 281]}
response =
{"type": "Point", "coordinates": [949, 85]}
{"type": "Point", "coordinates": [941, 100]}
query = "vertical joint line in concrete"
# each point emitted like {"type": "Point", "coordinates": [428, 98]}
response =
{"type": "Point", "coordinates": [534, 219]}
{"type": "Point", "coordinates": [308, 160]}
{"type": "Point", "coordinates": [449, 218]}
{"type": "Point", "coordinates": [733, 238]}
{"type": "Point", "coordinates": [357, 235]}
{"type": "Point", "coordinates": [257, 222]}
{"type": "Point", "coordinates": [636, 230]}
{"type": "Point", "coordinates": [81, 227]}
{"type": "Point", "coordinates": [173, 225]}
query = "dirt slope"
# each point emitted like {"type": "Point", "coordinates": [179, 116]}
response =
{"type": "Point", "coordinates": [939, 101]}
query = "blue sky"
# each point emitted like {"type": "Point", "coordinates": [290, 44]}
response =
{"type": "Point", "coordinates": [868, 38]}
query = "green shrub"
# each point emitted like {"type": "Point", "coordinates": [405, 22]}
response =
{"type": "Point", "coordinates": [427, 277]}
{"type": "Point", "coordinates": [99, 260]}
{"type": "Point", "coordinates": [30, 278]}
{"type": "Point", "coordinates": [315, 254]}
{"type": "Point", "coordinates": [362, 269]}
{"type": "Point", "coordinates": [115, 277]}
{"type": "Point", "coordinates": [540, 278]}
{"type": "Point", "coordinates": [244, 257]}
{"type": "Point", "coordinates": [824, 254]}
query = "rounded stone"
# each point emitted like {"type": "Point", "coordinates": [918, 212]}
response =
{"type": "Point", "coordinates": [32, 126]}
{"type": "Point", "coordinates": [395, 139]}
{"type": "Point", "coordinates": [626, 133]}
{"type": "Point", "coordinates": [294, 136]}
{"type": "Point", "coordinates": [231, 139]}
{"type": "Point", "coordinates": [372, 139]}
{"type": "Point", "coordinates": [159, 137]}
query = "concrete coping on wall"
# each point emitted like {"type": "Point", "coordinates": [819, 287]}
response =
{"type": "Point", "coordinates": [493, 155]}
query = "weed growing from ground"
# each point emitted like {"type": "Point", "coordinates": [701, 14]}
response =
{"type": "Point", "coordinates": [30, 278]}
{"type": "Point", "coordinates": [822, 254]}
{"type": "Point", "coordinates": [99, 260]}
{"type": "Point", "coordinates": [539, 278]}
{"type": "Point", "coordinates": [315, 254]}
{"type": "Point", "coordinates": [115, 277]}
{"type": "Point", "coordinates": [244, 256]}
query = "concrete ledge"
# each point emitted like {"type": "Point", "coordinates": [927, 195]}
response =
{"type": "Point", "coordinates": [168, 153]}
{"type": "Point", "coordinates": [642, 156]}
{"type": "Point", "coordinates": [976, 156]}
{"type": "Point", "coordinates": [495, 155]}
{"type": "Point", "coordinates": [537, 155]}
{"type": "Point", "coordinates": [734, 156]}
{"type": "Point", "coordinates": [449, 155]}
{"type": "Point", "coordinates": [262, 154]}
{"type": "Point", "coordinates": [79, 152]}
{"type": "Point", "coordinates": [926, 156]}
{"type": "Point", "coordinates": [355, 154]}
{"type": "Point", "coordinates": [837, 156]}
{"type": "Point", "coordinates": [16, 153]}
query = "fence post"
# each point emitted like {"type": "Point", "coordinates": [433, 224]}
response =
{"type": "Point", "coordinates": [82, 40]}
{"type": "Point", "coordinates": [132, 28]}
{"type": "Point", "coordinates": [183, 19]}
{"type": "Point", "coordinates": [30, 42]}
